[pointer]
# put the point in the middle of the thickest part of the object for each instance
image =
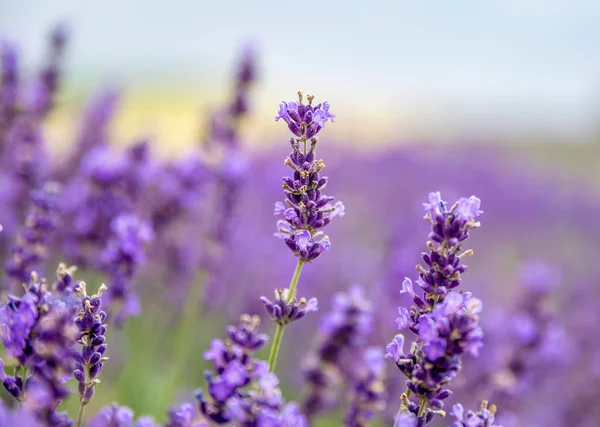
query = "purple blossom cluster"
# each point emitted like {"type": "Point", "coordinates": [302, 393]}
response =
{"type": "Point", "coordinates": [482, 418]}
{"type": "Point", "coordinates": [306, 210]}
{"type": "Point", "coordinates": [92, 329]}
{"type": "Point", "coordinates": [445, 321]}
{"type": "Point", "coordinates": [342, 357]}
{"type": "Point", "coordinates": [39, 333]}
{"type": "Point", "coordinates": [367, 395]}
{"type": "Point", "coordinates": [123, 254]}
{"type": "Point", "coordinates": [241, 389]}
{"type": "Point", "coordinates": [31, 245]}
{"type": "Point", "coordinates": [120, 416]}
{"type": "Point", "coordinates": [284, 312]}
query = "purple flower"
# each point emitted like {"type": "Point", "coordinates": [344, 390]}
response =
{"type": "Point", "coordinates": [343, 334]}
{"type": "Point", "coordinates": [405, 419]}
{"type": "Point", "coordinates": [124, 253]}
{"type": "Point", "coordinates": [41, 221]}
{"type": "Point", "coordinates": [403, 320]}
{"type": "Point", "coordinates": [304, 120]}
{"type": "Point", "coordinates": [283, 312]}
{"type": "Point", "coordinates": [93, 132]}
{"type": "Point", "coordinates": [394, 350]}
{"type": "Point", "coordinates": [228, 399]}
{"type": "Point", "coordinates": [306, 209]}
{"type": "Point", "coordinates": [483, 418]}
{"type": "Point", "coordinates": [445, 321]}
{"type": "Point", "coordinates": [17, 417]}
{"type": "Point", "coordinates": [113, 416]}
{"type": "Point", "coordinates": [468, 209]}
{"type": "Point", "coordinates": [91, 326]}
{"type": "Point", "coordinates": [38, 331]}
{"type": "Point", "coordinates": [182, 416]}
{"type": "Point", "coordinates": [435, 205]}
{"type": "Point", "coordinates": [367, 391]}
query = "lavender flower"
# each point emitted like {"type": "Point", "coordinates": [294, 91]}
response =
{"type": "Point", "coordinates": [306, 210]}
{"type": "Point", "coordinates": [93, 131]}
{"type": "Point", "coordinates": [119, 416]}
{"type": "Point", "coordinates": [229, 167]}
{"type": "Point", "coordinates": [534, 348]}
{"type": "Point", "coordinates": [304, 121]}
{"type": "Point", "coordinates": [30, 248]}
{"type": "Point", "coordinates": [91, 327]}
{"type": "Point", "coordinates": [483, 418]}
{"type": "Point", "coordinates": [283, 312]}
{"type": "Point", "coordinates": [242, 389]}
{"type": "Point", "coordinates": [343, 333]}
{"type": "Point", "coordinates": [49, 78]}
{"type": "Point", "coordinates": [38, 331]}
{"type": "Point", "coordinates": [405, 419]}
{"type": "Point", "coordinates": [445, 321]}
{"type": "Point", "coordinates": [98, 194]}
{"type": "Point", "coordinates": [17, 417]}
{"type": "Point", "coordinates": [184, 415]}
{"type": "Point", "coordinates": [123, 254]}
{"type": "Point", "coordinates": [367, 394]}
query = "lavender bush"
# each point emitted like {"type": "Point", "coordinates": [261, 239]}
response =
{"type": "Point", "coordinates": [185, 245]}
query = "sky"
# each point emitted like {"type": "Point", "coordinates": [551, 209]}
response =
{"type": "Point", "coordinates": [418, 67]}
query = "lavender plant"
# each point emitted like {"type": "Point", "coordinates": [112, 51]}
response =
{"type": "Point", "coordinates": [444, 320]}
{"type": "Point", "coordinates": [31, 246]}
{"type": "Point", "coordinates": [343, 333]}
{"type": "Point", "coordinates": [308, 210]}
{"type": "Point", "coordinates": [482, 418]}
{"type": "Point", "coordinates": [123, 254]}
{"type": "Point", "coordinates": [119, 416]}
{"type": "Point", "coordinates": [39, 333]}
{"type": "Point", "coordinates": [242, 390]}
{"type": "Point", "coordinates": [91, 328]}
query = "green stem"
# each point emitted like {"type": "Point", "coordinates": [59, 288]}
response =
{"type": "Point", "coordinates": [275, 347]}
{"type": "Point", "coordinates": [279, 331]}
{"type": "Point", "coordinates": [184, 335]}
{"type": "Point", "coordinates": [422, 407]}
{"type": "Point", "coordinates": [80, 414]}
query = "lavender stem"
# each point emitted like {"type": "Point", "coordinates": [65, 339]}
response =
{"type": "Point", "coordinates": [80, 414]}
{"type": "Point", "coordinates": [279, 331]}
{"type": "Point", "coordinates": [187, 322]}
{"type": "Point", "coordinates": [422, 407]}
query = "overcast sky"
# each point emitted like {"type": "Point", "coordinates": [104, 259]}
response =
{"type": "Point", "coordinates": [519, 63]}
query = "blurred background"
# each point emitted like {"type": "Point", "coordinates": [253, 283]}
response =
{"type": "Point", "coordinates": [498, 98]}
{"type": "Point", "coordinates": [503, 72]}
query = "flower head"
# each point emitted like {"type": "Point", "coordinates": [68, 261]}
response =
{"type": "Point", "coordinates": [306, 210]}
{"type": "Point", "coordinates": [284, 310]}
{"type": "Point", "coordinates": [304, 120]}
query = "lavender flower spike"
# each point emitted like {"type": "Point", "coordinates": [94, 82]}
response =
{"type": "Point", "coordinates": [29, 250]}
{"type": "Point", "coordinates": [306, 210]}
{"type": "Point", "coordinates": [343, 332]}
{"type": "Point", "coordinates": [283, 312]}
{"type": "Point", "coordinates": [241, 390]}
{"type": "Point", "coordinates": [90, 323]}
{"type": "Point", "coordinates": [483, 418]}
{"type": "Point", "coordinates": [445, 321]}
{"type": "Point", "coordinates": [123, 255]}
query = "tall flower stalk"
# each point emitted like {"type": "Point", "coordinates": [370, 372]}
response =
{"type": "Point", "coordinates": [444, 320]}
{"type": "Point", "coordinates": [306, 210]}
